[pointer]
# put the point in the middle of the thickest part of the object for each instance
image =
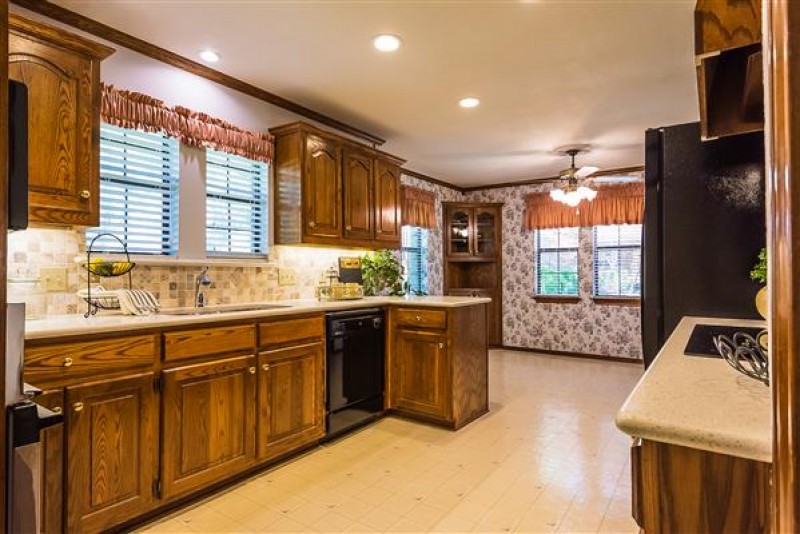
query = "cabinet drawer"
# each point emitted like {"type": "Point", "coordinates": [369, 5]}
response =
{"type": "Point", "coordinates": [420, 318]}
{"type": "Point", "coordinates": [67, 360]}
{"type": "Point", "coordinates": [209, 341]}
{"type": "Point", "coordinates": [295, 331]}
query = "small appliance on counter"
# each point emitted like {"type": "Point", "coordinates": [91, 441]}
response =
{"type": "Point", "coordinates": [344, 283]}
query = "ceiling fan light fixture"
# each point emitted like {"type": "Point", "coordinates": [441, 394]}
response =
{"type": "Point", "coordinates": [572, 197]}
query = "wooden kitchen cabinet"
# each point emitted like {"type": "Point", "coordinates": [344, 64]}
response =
{"type": "Point", "coordinates": [330, 190]}
{"type": "Point", "coordinates": [62, 73]}
{"type": "Point", "coordinates": [209, 423]}
{"type": "Point", "coordinates": [112, 444]}
{"type": "Point", "coordinates": [291, 399]}
{"type": "Point", "coordinates": [358, 189]}
{"type": "Point", "coordinates": [438, 364]}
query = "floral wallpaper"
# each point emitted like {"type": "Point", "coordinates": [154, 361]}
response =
{"type": "Point", "coordinates": [435, 247]}
{"type": "Point", "coordinates": [584, 327]}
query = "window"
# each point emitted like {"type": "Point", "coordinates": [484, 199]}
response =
{"type": "Point", "coordinates": [414, 253]}
{"type": "Point", "coordinates": [236, 205]}
{"type": "Point", "coordinates": [618, 260]}
{"type": "Point", "coordinates": [557, 262]}
{"type": "Point", "coordinates": [138, 191]}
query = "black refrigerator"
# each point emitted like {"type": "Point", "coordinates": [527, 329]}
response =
{"type": "Point", "coordinates": [704, 225]}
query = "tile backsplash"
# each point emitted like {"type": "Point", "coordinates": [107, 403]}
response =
{"type": "Point", "coordinates": [33, 249]}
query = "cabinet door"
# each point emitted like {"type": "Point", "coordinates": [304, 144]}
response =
{"type": "Point", "coordinates": [291, 399]}
{"type": "Point", "coordinates": [322, 188]}
{"type": "Point", "coordinates": [387, 202]}
{"type": "Point", "coordinates": [209, 423]}
{"type": "Point", "coordinates": [357, 184]}
{"type": "Point", "coordinates": [112, 439]}
{"type": "Point", "coordinates": [421, 372]}
{"type": "Point", "coordinates": [459, 231]}
{"type": "Point", "coordinates": [486, 232]}
{"type": "Point", "coordinates": [52, 481]}
{"type": "Point", "coordinates": [63, 130]}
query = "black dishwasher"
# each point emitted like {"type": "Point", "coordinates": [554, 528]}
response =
{"type": "Point", "coordinates": [355, 364]}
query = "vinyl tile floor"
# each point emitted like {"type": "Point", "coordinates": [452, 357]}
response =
{"type": "Point", "coordinates": [546, 458]}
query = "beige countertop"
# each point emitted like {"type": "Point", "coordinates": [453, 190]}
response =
{"type": "Point", "coordinates": [104, 322]}
{"type": "Point", "coordinates": [701, 403]}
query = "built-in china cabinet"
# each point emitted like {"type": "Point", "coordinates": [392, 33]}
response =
{"type": "Point", "coordinates": [473, 245]}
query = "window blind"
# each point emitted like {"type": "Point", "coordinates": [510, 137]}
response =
{"type": "Point", "coordinates": [414, 255]}
{"type": "Point", "coordinates": [138, 191]}
{"type": "Point", "coordinates": [236, 205]}
{"type": "Point", "coordinates": [617, 260]}
{"type": "Point", "coordinates": [556, 252]}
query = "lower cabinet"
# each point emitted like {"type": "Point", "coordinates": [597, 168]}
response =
{"type": "Point", "coordinates": [209, 423]}
{"type": "Point", "coordinates": [421, 372]}
{"type": "Point", "coordinates": [112, 439]}
{"type": "Point", "coordinates": [291, 398]}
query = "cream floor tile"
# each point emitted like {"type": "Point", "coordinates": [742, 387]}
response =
{"type": "Point", "coordinates": [547, 457]}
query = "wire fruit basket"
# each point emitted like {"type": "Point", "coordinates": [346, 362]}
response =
{"type": "Point", "coordinates": [105, 269]}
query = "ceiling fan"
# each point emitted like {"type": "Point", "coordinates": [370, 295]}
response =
{"type": "Point", "coordinates": [574, 182]}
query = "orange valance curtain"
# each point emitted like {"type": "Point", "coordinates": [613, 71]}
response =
{"type": "Point", "coordinates": [129, 109]}
{"type": "Point", "coordinates": [617, 204]}
{"type": "Point", "coordinates": [419, 207]}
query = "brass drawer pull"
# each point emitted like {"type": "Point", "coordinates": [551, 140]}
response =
{"type": "Point", "coordinates": [68, 362]}
{"type": "Point", "coordinates": [312, 224]}
{"type": "Point", "coordinates": [418, 318]}
{"type": "Point", "coordinates": [378, 231]}
{"type": "Point", "coordinates": [265, 367]}
{"type": "Point", "coordinates": [85, 194]}
{"type": "Point", "coordinates": [57, 409]}
{"type": "Point", "coordinates": [78, 406]}
{"type": "Point", "coordinates": [441, 345]}
{"type": "Point", "coordinates": [348, 228]}
{"type": "Point", "coordinates": [252, 370]}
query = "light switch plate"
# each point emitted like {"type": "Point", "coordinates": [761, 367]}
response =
{"type": "Point", "coordinates": [287, 276]}
{"type": "Point", "coordinates": [53, 278]}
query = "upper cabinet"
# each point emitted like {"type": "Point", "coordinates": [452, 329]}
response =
{"type": "Point", "coordinates": [330, 190]}
{"type": "Point", "coordinates": [729, 67]}
{"type": "Point", "coordinates": [62, 73]}
{"type": "Point", "coordinates": [472, 231]}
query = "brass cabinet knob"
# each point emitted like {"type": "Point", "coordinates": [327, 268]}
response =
{"type": "Point", "coordinates": [67, 362]}
{"type": "Point", "coordinates": [348, 228]}
{"type": "Point", "coordinates": [86, 194]}
{"type": "Point", "coordinates": [265, 367]}
{"type": "Point", "coordinates": [418, 318]}
{"type": "Point", "coordinates": [252, 370]}
{"type": "Point", "coordinates": [441, 345]}
{"type": "Point", "coordinates": [378, 231]}
{"type": "Point", "coordinates": [78, 406]}
{"type": "Point", "coordinates": [312, 224]}
{"type": "Point", "coordinates": [57, 409]}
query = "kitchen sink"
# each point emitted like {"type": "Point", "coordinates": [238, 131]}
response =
{"type": "Point", "coordinates": [217, 310]}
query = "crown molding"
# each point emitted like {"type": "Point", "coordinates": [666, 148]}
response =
{"type": "Point", "coordinates": [535, 181]}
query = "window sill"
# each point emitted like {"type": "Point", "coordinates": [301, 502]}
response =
{"type": "Point", "coordinates": [556, 299]}
{"type": "Point", "coordinates": [617, 301]}
{"type": "Point", "coordinates": [168, 261]}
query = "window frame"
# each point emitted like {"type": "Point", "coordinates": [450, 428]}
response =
{"type": "Point", "coordinates": [538, 250]}
{"type": "Point", "coordinates": [423, 253]}
{"type": "Point", "coordinates": [618, 298]}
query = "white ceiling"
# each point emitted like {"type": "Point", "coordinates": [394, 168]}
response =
{"type": "Point", "coordinates": [548, 72]}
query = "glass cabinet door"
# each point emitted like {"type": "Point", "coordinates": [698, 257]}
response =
{"type": "Point", "coordinates": [486, 232]}
{"type": "Point", "coordinates": [458, 231]}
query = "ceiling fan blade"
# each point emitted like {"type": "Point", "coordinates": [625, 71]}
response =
{"type": "Point", "coordinates": [618, 179]}
{"type": "Point", "coordinates": [585, 172]}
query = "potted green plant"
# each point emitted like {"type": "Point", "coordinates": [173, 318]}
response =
{"type": "Point", "coordinates": [759, 274]}
{"type": "Point", "coordinates": [382, 274]}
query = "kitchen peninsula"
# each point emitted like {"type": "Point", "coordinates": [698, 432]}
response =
{"type": "Point", "coordinates": [171, 405]}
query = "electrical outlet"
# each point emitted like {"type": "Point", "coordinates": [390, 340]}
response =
{"type": "Point", "coordinates": [53, 278]}
{"type": "Point", "coordinates": [287, 276]}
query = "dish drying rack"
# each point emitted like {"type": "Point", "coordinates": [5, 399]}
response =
{"type": "Point", "coordinates": [105, 269]}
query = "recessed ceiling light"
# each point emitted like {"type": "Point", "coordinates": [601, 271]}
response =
{"type": "Point", "coordinates": [209, 55]}
{"type": "Point", "coordinates": [387, 42]}
{"type": "Point", "coordinates": [469, 102]}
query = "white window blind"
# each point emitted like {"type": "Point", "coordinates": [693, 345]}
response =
{"type": "Point", "coordinates": [618, 260]}
{"type": "Point", "coordinates": [138, 191]}
{"type": "Point", "coordinates": [414, 254]}
{"type": "Point", "coordinates": [236, 205]}
{"type": "Point", "coordinates": [556, 262]}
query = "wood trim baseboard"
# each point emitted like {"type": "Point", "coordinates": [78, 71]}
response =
{"type": "Point", "coordinates": [111, 34]}
{"type": "Point", "coordinates": [534, 181]}
{"type": "Point", "coordinates": [568, 354]}
{"type": "Point", "coordinates": [431, 179]}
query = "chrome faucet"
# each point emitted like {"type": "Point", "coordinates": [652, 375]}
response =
{"type": "Point", "coordinates": [201, 283]}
